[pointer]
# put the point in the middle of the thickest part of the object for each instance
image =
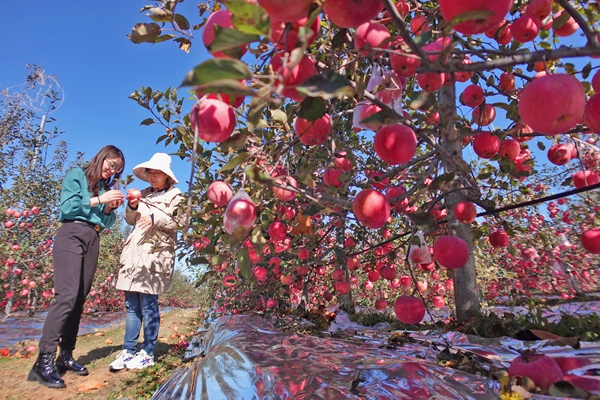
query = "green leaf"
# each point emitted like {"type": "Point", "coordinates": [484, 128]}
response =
{"type": "Point", "coordinates": [248, 18]}
{"type": "Point", "coordinates": [210, 249]}
{"type": "Point", "coordinates": [312, 108]}
{"type": "Point", "coordinates": [328, 84]}
{"type": "Point", "coordinates": [424, 38]}
{"type": "Point", "coordinates": [142, 32]}
{"type": "Point", "coordinates": [243, 263]}
{"type": "Point", "coordinates": [441, 181]}
{"type": "Point", "coordinates": [228, 39]}
{"type": "Point", "coordinates": [585, 72]}
{"type": "Point", "coordinates": [205, 278]}
{"type": "Point", "coordinates": [158, 14]}
{"type": "Point", "coordinates": [423, 221]}
{"type": "Point", "coordinates": [236, 141]}
{"type": "Point", "coordinates": [258, 240]}
{"type": "Point", "coordinates": [545, 45]}
{"type": "Point", "coordinates": [470, 16]}
{"type": "Point", "coordinates": [198, 260]}
{"type": "Point", "coordinates": [232, 87]}
{"type": "Point", "coordinates": [148, 121]}
{"type": "Point", "coordinates": [164, 38]}
{"type": "Point", "coordinates": [384, 117]}
{"type": "Point", "coordinates": [216, 69]}
{"type": "Point", "coordinates": [570, 69]}
{"type": "Point", "coordinates": [234, 162]}
{"type": "Point", "coordinates": [560, 21]}
{"type": "Point", "coordinates": [311, 210]}
{"type": "Point", "coordinates": [181, 21]}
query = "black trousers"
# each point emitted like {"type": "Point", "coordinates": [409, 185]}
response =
{"type": "Point", "coordinates": [75, 257]}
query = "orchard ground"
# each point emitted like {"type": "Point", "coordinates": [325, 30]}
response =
{"type": "Point", "coordinates": [96, 351]}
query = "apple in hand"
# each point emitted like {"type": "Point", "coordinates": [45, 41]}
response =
{"type": "Point", "coordinates": [134, 194]}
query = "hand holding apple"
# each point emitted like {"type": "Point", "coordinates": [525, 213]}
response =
{"type": "Point", "coordinates": [111, 196]}
{"type": "Point", "coordinates": [134, 196]}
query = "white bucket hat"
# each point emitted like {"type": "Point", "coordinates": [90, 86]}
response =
{"type": "Point", "coordinates": [159, 161]}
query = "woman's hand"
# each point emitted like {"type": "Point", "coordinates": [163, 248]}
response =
{"type": "Point", "coordinates": [133, 203]}
{"type": "Point", "coordinates": [112, 196]}
{"type": "Point", "coordinates": [144, 223]}
{"type": "Point", "coordinates": [115, 203]}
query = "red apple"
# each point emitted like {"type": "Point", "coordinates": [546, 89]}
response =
{"type": "Point", "coordinates": [591, 114]}
{"type": "Point", "coordinates": [351, 13]}
{"type": "Point", "coordinates": [404, 65]}
{"type": "Point", "coordinates": [331, 177]}
{"type": "Point", "coordinates": [566, 364]}
{"type": "Point", "coordinates": [409, 310]}
{"type": "Point", "coordinates": [596, 82]}
{"type": "Point", "coordinates": [472, 96]}
{"type": "Point", "coordinates": [465, 212]}
{"type": "Point", "coordinates": [284, 194]}
{"type": "Point", "coordinates": [220, 18]}
{"type": "Point", "coordinates": [260, 273]}
{"type": "Point", "coordinates": [430, 81]}
{"type": "Point", "coordinates": [286, 11]}
{"type": "Point", "coordinates": [525, 28]}
{"type": "Point", "coordinates": [560, 154]}
{"type": "Point", "coordinates": [541, 369]}
{"type": "Point", "coordinates": [342, 287]}
{"type": "Point", "coordinates": [451, 252]}
{"type": "Point", "coordinates": [499, 238]}
{"type": "Point", "coordinates": [394, 191]}
{"type": "Point", "coordinates": [484, 115]}
{"type": "Point", "coordinates": [294, 76]}
{"type": "Point", "coordinates": [419, 24]}
{"type": "Point", "coordinates": [552, 104]}
{"type": "Point", "coordinates": [491, 14]}
{"type": "Point", "coordinates": [395, 144]}
{"type": "Point", "coordinates": [381, 304]}
{"type": "Point", "coordinates": [219, 193]}
{"type": "Point", "coordinates": [486, 145]}
{"type": "Point", "coordinates": [277, 230]}
{"type": "Point", "coordinates": [288, 39]}
{"type": "Point", "coordinates": [509, 148]}
{"type": "Point", "coordinates": [342, 161]}
{"type": "Point", "coordinates": [539, 9]}
{"type": "Point", "coordinates": [507, 82]}
{"type": "Point", "coordinates": [371, 208]}
{"type": "Point", "coordinates": [370, 35]}
{"type": "Point", "coordinates": [133, 194]}
{"type": "Point", "coordinates": [313, 132]}
{"type": "Point", "coordinates": [213, 119]}
{"type": "Point", "coordinates": [567, 28]}
{"type": "Point", "coordinates": [585, 178]}
{"type": "Point", "coordinates": [590, 240]}
{"type": "Point", "coordinates": [242, 211]}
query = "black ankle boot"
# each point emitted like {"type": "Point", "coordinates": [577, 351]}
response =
{"type": "Point", "coordinates": [66, 362]}
{"type": "Point", "coordinates": [44, 371]}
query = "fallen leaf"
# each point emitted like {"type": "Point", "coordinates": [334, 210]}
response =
{"type": "Point", "coordinates": [108, 341]}
{"type": "Point", "coordinates": [90, 385]}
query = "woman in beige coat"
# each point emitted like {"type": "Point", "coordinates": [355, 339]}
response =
{"type": "Point", "coordinates": [147, 260]}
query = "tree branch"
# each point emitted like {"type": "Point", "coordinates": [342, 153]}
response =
{"type": "Point", "coordinates": [589, 33]}
{"type": "Point", "coordinates": [512, 59]}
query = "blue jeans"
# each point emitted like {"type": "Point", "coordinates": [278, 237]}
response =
{"type": "Point", "coordinates": [141, 308]}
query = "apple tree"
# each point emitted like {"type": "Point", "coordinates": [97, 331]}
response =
{"type": "Point", "coordinates": [346, 148]}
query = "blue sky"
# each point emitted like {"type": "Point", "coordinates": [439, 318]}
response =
{"type": "Point", "coordinates": [84, 43]}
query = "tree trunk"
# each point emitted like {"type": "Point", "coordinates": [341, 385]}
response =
{"type": "Point", "coordinates": [465, 279]}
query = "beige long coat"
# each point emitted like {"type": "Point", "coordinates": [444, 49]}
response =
{"type": "Point", "coordinates": [148, 259]}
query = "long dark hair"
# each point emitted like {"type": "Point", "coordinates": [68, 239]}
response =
{"type": "Point", "coordinates": [93, 170]}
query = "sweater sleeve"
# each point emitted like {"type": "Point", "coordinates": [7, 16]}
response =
{"type": "Point", "coordinates": [75, 196]}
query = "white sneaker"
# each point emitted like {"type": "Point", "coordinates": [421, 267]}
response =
{"type": "Point", "coordinates": [140, 360]}
{"type": "Point", "coordinates": [119, 363]}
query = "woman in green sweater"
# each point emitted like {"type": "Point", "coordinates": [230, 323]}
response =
{"type": "Point", "coordinates": [87, 204]}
